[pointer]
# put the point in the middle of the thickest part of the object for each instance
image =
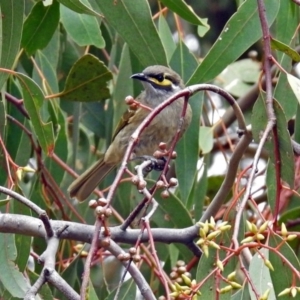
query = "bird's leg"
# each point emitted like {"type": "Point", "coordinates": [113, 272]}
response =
{"type": "Point", "coordinates": [156, 164]}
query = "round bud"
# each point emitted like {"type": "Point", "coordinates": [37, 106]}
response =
{"type": "Point", "coordinates": [121, 256]}
{"type": "Point", "coordinates": [108, 212]}
{"type": "Point", "coordinates": [129, 100]}
{"type": "Point", "coordinates": [102, 201]}
{"type": "Point", "coordinates": [180, 263]}
{"type": "Point", "coordinates": [158, 154]}
{"type": "Point", "coordinates": [188, 274]}
{"type": "Point", "coordinates": [179, 280]}
{"type": "Point", "coordinates": [162, 146]}
{"type": "Point", "coordinates": [127, 256]}
{"type": "Point", "coordinates": [173, 181]}
{"type": "Point", "coordinates": [174, 155]}
{"type": "Point", "coordinates": [182, 270]}
{"type": "Point", "coordinates": [93, 203]}
{"type": "Point", "coordinates": [173, 275]}
{"type": "Point", "coordinates": [253, 54]}
{"type": "Point", "coordinates": [99, 210]}
{"type": "Point", "coordinates": [132, 251]}
{"type": "Point", "coordinates": [133, 106]}
{"type": "Point", "coordinates": [136, 258]}
{"type": "Point", "coordinates": [161, 298]}
{"type": "Point", "coordinates": [160, 184]}
{"type": "Point", "coordinates": [165, 194]}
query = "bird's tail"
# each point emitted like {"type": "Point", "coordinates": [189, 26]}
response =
{"type": "Point", "coordinates": [84, 185]}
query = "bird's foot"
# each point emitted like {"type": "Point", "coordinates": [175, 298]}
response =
{"type": "Point", "coordinates": [157, 164]}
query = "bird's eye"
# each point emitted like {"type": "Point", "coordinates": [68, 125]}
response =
{"type": "Point", "coordinates": [160, 77]}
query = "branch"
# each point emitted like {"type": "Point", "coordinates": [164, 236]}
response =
{"type": "Point", "coordinates": [10, 223]}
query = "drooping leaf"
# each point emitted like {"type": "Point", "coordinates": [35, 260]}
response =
{"type": "Point", "coordinates": [260, 275]}
{"type": "Point", "coordinates": [12, 279]}
{"type": "Point", "coordinates": [87, 81]}
{"type": "Point", "coordinates": [185, 11]}
{"type": "Point", "coordinates": [206, 139]}
{"type": "Point", "coordinates": [11, 24]}
{"type": "Point", "coordinates": [184, 63]}
{"type": "Point", "coordinates": [33, 100]}
{"type": "Point", "coordinates": [171, 213]}
{"type": "Point", "coordinates": [83, 29]}
{"type": "Point", "coordinates": [79, 7]}
{"type": "Point", "coordinates": [123, 87]}
{"type": "Point", "coordinates": [282, 277]}
{"type": "Point", "coordinates": [277, 45]}
{"type": "Point", "coordinates": [285, 33]}
{"type": "Point", "coordinates": [166, 37]}
{"type": "Point", "coordinates": [240, 32]}
{"type": "Point", "coordinates": [259, 122]}
{"type": "Point", "coordinates": [295, 85]}
{"type": "Point", "coordinates": [238, 77]}
{"type": "Point", "coordinates": [40, 26]}
{"type": "Point", "coordinates": [127, 291]}
{"type": "Point", "coordinates": [135, 25]}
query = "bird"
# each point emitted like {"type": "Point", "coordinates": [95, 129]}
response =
{"type": "Point", "coordinates": [160, 83]}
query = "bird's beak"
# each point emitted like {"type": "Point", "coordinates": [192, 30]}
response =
{"type": "Point", "coordinates": [139, 76]}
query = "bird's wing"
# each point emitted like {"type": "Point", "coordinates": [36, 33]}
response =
{"type": "Point", "coordinates": [125, 119]}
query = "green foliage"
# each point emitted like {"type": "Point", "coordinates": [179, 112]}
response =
{"type": "Point", "coordinates": [65, 72]}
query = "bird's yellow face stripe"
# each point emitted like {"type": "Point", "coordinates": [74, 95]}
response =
{"type": "Point", "coordinates": [161, 80]}
{"type": "Point", "coordinates": [165, 82]}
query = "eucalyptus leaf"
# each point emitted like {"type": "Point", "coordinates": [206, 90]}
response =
{"type": "Point", "coordinates": [239, 33]}
{"type": "Point", "coordinates": [33, 101]}
{"type": "Point", "coordinates": [87, 81]}
{"type": "Point", "coordinates": [135, 25]}
{"type": "Point", "coordinates": [11, 32]}
{"type": "Point", "coordinates": [40, 26]}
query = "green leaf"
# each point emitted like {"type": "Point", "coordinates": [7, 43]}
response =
{"type": "Point", "coordinates": [127, 291]}
{"type": "Point", "coordinates": [33, 100]}
{"type": "Point", "coordinates": [93, 117]}
{"type": "Point", "coordinates": [282, 277]}
{"type": "Point", "coordinates": [13, 281]}
{"type": "Point", "coordinates": [206, 139]}
{"type": "Point", "coordinates": [184, 63]}
{"type": "Point", "coordinates": [135, 25]}
{"type": "Point", "coordinates": [259, 122]}
{"type": "Point", "coordinates": [79, 7]}
{"type": "Point", "coordinates": [239, 76]}
{"type": "Point", "coordinates": [260, 275]}
{"type": "Point", "coordinates": [11, 31]}
{"type": "Point", "coordinates": [40, 26]}
{"type": "Point", "coordinates": [87, 81]}
{"type": "Point", "coordinates": [171, 213]}
{"type": "Point", "coordinates": [49, 79]}
{"type": "Point", "coordinates": [277, 45]}
{"type": "Point", "coordinates": [91, 292]}
{"type": "Point", "coordinates": [166, 37]}
{"type": "Point", "coordinates": [240, 32]}
{"type": "Point", "coordinates": [83, 29]}
{"type": "Point", "coordinates": [242, 294]}
{"type": "Point", "coordinates": [285, 33]}
{"type": "Point", "coordinates": [295, 85]}
{"type": "Point", "coordinates": [185, 11]}
{"type": "Point", "coordinates": [61, 147]}
{"type": "Point", "coordinates": [123, 87]}
{"type": "Point", "coordinates": [2, 115]}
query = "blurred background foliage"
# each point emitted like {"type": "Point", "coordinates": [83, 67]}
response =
{"type": "Point", "coordinates": [65, 72]}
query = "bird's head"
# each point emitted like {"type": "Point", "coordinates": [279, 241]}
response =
{"type": "Point", "coordinates": [159, 82]}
